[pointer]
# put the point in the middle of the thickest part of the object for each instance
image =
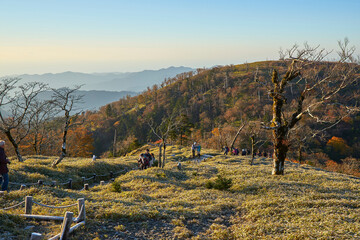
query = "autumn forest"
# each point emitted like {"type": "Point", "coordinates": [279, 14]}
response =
{"type": "Point", "coordinates": [207, 106]}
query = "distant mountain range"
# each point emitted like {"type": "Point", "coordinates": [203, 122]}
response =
{"type": "Point", "coordinates": [93, 100]}
{"type": "Point", "coordinates": [100, 89]}
{"type": "Point", "coordinates": [130, 81]}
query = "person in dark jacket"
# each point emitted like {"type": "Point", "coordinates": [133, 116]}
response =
{"type": "Point", "coordinates": [4, 161]}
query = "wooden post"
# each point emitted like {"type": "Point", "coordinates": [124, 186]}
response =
{"type": "Point", "coordinates": [94, 177]}
{"type": "Point", "coordinates": [112, 180]}
{"type": "Point", "coordinates": [36, 236]}
{"type": "Point", "coordinates": [22, 187]}
{"type": "Point", "coordinates": [65, 227]}
{"type": "Point", "coordinates": [81, 208]}
{"type": "Point", "coordinates": [83, 179]}
{"type": "Point", "coordinates": [70, 183]}
{"type": "Point", "coordinates": [86, 186]}
{"type": "Point", "coordinates": [111, 174]}
{"type": "Point", "coordinates": [28, 204]}
{"type": "Point", "coordinates": [102, 183]}
{"type": "Point", "coordinates": [40, 182]}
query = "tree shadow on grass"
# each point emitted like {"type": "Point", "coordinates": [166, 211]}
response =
{"type": "Point", "coordinates": [62, 175]}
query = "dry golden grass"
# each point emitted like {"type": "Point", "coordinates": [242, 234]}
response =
{"type": "Point", "coordinates": [305, 203]}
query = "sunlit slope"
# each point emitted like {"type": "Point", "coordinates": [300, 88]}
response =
{"type": "Point", "coordinates": [305, 203]}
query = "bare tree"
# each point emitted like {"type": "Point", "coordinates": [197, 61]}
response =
{"type": "Point", "coordinates": [256, 136]}
{"type": "Point", "coordinates": [237, 134]}
{"type": "Point", "coordinates": [65, 99]}
{"type": "Point", "coordinates": [162, 132]}
{"type": "Point", "coordinates": [318, 83]}
{"type": "Point", "coordinates": [17, 123]}
{"type": "Point", "coordinates": [42, 112]}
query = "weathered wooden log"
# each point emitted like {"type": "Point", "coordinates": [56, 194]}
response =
{"type": "Point", "coordinates": [77, 226]}
{"type": "Point", "coordinates": [42, 217]}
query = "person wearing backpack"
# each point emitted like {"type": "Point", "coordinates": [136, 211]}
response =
{"type": "Point", "coordinates": [4, 161]}
{"type": "Point", "coordinates": [141, 162]}
{"type": "Point", "coordinates": [147, 158]}
{"type": "Point", "coordinates": [226, 150]}
{"type": "Point", "coordinates": [193, 147]}
{"type": "Point", "coordinates": [235, 151]}
{"type": "Point", "coordinates": [198, 149]}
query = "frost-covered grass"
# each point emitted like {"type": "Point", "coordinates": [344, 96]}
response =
{"type": "Point", "coordinates": [305, 203]}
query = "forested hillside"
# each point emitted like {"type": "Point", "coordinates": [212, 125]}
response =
{"type": "Point", "coordinates": [213, 102]}
{"type": "Point", "coordinates": [209, 105]}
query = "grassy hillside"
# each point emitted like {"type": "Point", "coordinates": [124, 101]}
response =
{"type": "Point", "coordinates": [305, 203]}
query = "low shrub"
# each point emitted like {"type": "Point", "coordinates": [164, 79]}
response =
{"type": "Point", "coordinates": [116, 187]}
{"type": "Point", "coordinates": [220, 183]}
{"type": "Point", "coordinates": [120, 228]}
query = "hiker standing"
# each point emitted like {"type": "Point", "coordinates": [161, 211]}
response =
{"type": "Point", "coordinates": [141, 161]}
{"type": "Point", "coordinates": [193, 147]}
{"type": "Point", "coordinates": [198, 149]}
{"type": "Point", "coordinates": [3, 167]}
{"type": "Point", "coordinates": [147, 158]}
{"type": "Point", "coordinates": [235, 151]}
{"type": "Point", "coordinates": [226, 150]}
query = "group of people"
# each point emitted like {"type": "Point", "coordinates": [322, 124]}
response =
{"type": "Point", "coordinates": [4, 161]}
{"type": "Point", "coordinates": [195, 149]}
{"type": "Point", "coordinates": [244, 152]}
{"type": "Point", "coordinates": [146, 160]}
{"type": "Point", "coordinates": [234, 150]}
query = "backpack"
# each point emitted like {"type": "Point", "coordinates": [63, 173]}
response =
{"type": "Point", "coordinates": [147, 158]}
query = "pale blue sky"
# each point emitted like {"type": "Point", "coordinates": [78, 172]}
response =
{"type": "Point", "coordinates": [38, 36]}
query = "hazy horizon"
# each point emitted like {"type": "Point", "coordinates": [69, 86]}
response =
{"type": "Point", "coordinates": [94, 73]}
{"type": "Point", "coordinates": [43, 36]}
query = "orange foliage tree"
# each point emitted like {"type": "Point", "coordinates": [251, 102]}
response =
{"type": "Point", "coordinates": [338, 146]}
{"type": "Point", "coordinates": [80, 142]}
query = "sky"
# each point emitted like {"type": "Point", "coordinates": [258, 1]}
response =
{"type": "Point", "coordinates": [40, 36]}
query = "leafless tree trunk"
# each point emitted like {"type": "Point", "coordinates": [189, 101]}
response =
{"type": "Point", "coordinates": [236, 135]}
{"type": "Point", "coordinates": [164, 155]}
{"type": "Point", "coordinates": [252, 138]}
{"type": "Point", "coordinates": [319, 83]}
{"type": "Point", "coordinates": [65, 99]}
{"type": "Point", "coordinates": [160, 155]}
